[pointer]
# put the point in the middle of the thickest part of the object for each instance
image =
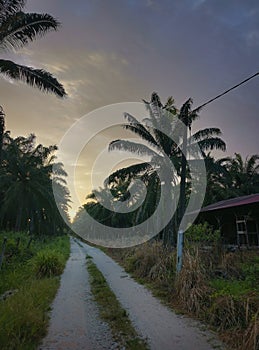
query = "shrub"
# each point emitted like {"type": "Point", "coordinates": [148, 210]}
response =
{"type": "Point", "coordinates": [48, 263]}
{"type": "Point", "coordinates": [202, 233]}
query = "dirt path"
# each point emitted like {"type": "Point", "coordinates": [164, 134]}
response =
{"type": "Point", "coordinates": [154, 321]}
{"type": "Point", "coordinates": [75, 323]}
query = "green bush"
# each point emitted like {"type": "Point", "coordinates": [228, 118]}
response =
{"type": "Point", "coordinates": [48, 263]}
{"type": "Point", "coordinates": [23, 315]}
{"type": "Point", "coordinates": [202, 233]}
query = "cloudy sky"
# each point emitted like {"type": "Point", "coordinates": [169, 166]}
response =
{"type": "Point", "coordinates": [110, 51]}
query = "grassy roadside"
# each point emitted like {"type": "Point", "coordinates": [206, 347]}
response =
{"type": "Point", "coordinates": [112, 312]}
{"type": "Point", "coordinates": [29, 280]}
{"type": "Point", "coordinates": [219, 288]}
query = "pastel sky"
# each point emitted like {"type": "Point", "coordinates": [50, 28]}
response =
{"type": "Point", "coordinates": [122, 50]}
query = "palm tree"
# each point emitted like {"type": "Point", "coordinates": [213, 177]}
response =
{"type": "Point", "coordinates": [17, 29]}
{"type": "Point", "coordinates": [218, 179]}
{"type": "Point", "coordinates": [158, 145]}
{"type": "Point", "coordinates": [2, 128]}
{"type": "Point", "coordinates": [231, 177]}
{"type": "Point", "coordinates": [243, 175]}
{"type": "Point", "coordinates": [26, 179]}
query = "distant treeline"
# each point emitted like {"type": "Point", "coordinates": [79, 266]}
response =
{"type": "Point", "coordinates": [27, 202]}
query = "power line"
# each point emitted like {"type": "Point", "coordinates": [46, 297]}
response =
{"type": "Point", "coordinates": [225, 92]}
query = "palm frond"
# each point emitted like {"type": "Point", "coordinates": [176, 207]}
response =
{"type": "Point", "coordinates": [19, 29]}
{"type": "Point", "coordinates": [154, 107]}
{"type": "Point", "coordinates": [130, 171]}
{"type": "Point", "coordinates": [186, 115]}
{"type": "Point", "coordinates": [8, 7]}
{"type": "Point", "coordinates": [139, 129]}
{"type": "Point", "coordinates": [160, 124]}
{"type": "Point", "coordinates": [133, 147]}
{"type": "Point", "coordinates": [33, 77]}
{"type": "Point", "coordinates": [208, 132]}
{"type": "Point", "coordinates": [185, 111]}
{"type": "Point", "coordinates": [251, 164]}
{"type": "Point", "coordinates": [170, 107]}
{"type": "Point", "coordinates": [237, 163]}
{"type": "Point", "coordinates": [211, 144]}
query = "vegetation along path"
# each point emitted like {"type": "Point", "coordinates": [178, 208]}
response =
{"type": "Point", "coordinates": [74, 319]}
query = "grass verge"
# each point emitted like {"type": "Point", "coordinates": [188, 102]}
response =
{"type": "Point", "coordinates": [24, 312]}
{"type": "Point", "coordinates": [219, 288]}
{"type": "Point", "coordinates": [112, 312]}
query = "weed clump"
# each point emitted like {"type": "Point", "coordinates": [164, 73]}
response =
{"type": "Point", "coordinates": [48, 263]}
{"type": "Point", "coordinates": [191, 286]}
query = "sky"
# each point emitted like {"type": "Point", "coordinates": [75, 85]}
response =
{"type": "Point", "coordinates": [117, 51]}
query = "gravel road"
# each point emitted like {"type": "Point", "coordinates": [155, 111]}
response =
{"type": "Point", "coordinates": [75, 322]}
{"type": "Point", "coordinates": [163, 329]}
{"type": "Point", "coordinates": [74, 318]}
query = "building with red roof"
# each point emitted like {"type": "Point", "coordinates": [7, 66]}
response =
{"type": "Point", "coordinates": [237, 218]}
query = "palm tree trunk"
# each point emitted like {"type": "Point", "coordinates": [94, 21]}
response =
{"type": "Point", "coordinates": [2, 127]}
{"type": "Point", "coordinates": [18, 220]}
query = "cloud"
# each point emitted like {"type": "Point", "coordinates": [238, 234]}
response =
{"type": "Point", "coordinates": [114, 51]}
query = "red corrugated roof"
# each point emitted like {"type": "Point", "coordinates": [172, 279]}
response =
{"type": "Point", "coordinates": [233, 202]}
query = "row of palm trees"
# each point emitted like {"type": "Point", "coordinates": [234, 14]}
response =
{"type": "Point", "coordinates": [231, 177]}
{"type": "Point", "coordinates": [162, 133]}
{"type": "Point", "coordinates": [26, 169]}
{"type": "Point", "coordinates": [26, 195]}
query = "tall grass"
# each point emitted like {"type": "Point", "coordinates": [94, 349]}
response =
{"type": "Point", "coordinates": [217, 287]}
{"type": "Point", "coordinates": [191, 285]}
{"type": "Point", "coordinates": [24, 314]}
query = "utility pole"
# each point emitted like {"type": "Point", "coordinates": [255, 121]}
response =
{"type": "Point", "coordinates": [182, 198]}
{"type": "Point", "coordinates": [180, 234]}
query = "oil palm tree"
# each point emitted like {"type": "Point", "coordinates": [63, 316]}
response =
{"type": "Point", "coordinates": [17, 29]}
{"type": "Point", "coordinates": [26, 179]}
{"type": "Point", "coordinates": [2, 128]}
{"type": "Point", "coordinates": [218, 178]}
{"type": "Point", "coordinates": [243, 175]}
{"type": "Point", "coordinates": [160, 145]}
